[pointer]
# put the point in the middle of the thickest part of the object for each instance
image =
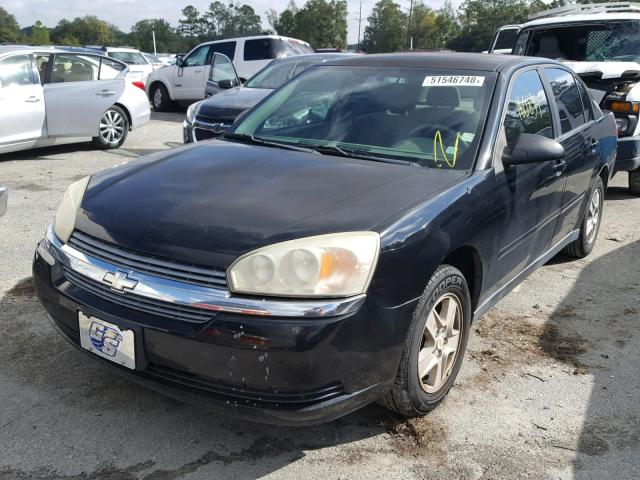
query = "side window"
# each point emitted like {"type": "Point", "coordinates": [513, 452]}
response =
{"type": "Point", "coordinates": [75, 68]}
{"type": "Point", "coordinates": [528, 109]}
{"type": "Point", "coordinates": [586, 102]}
{"type": "Point", "coordinates": [16, 70]}
{"type": "Point", "coordinates": [567, 97]}
{"type": "Point", "coordinates": [197, 58]}
{"type": "Point", "coordinates": [521, 43]}
{"type": "Point", "coordinates": [506, 38]}
{"type": "Point", "coordinates": [226, 48]}
{"type": "Point", "coordinates": [109, 69]}
{"type": "Point", "coordinates": [259, 49]}
{"type": "Point", "coordinates": [222, 69]}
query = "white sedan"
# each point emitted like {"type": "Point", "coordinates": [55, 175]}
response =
{"type": "Point", "coordinates": [50, 96]}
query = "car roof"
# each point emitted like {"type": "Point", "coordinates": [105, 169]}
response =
{"type": "Point", "coordinates": [255, 37]}
{"type": "Point", "coordinates": [462, 61]}
{"type": "Point", "coordinates": [320, 57]}
{"type": "Point", "coordinates": [588, 17]}
{"type": "Point", "coordinates": [6, 49]}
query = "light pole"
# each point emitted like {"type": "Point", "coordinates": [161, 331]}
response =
{"type": "Point", "coordinates": [409, 42]}
{"type": "Point", "coordinates": [360, 23]}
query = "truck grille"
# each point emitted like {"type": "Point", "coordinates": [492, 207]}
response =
{"type": "Point", "coordinates": [138, 302]}
{"type": "Point", "coordinates": [159, 267]}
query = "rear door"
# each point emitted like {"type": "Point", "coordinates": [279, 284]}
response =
{"type": "Point", "coordinates": [191, 77]}
{"type": "Point", "coordinates": [79, 90]}
{"type": "Point", "coordinates": [579, 136]}
{"type": "Point", "coordinates": [531, 193]}
{"type": "Point", "coordinates": [22, 107]}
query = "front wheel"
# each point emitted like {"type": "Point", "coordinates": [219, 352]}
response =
{"type": "Point", "coordinates": [435, 345]}
{"type": "Point", "coordinates": [113, 128]}
{"type": "Point", "coordinates": [590, 224]}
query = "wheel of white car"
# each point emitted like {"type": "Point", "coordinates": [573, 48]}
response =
{"type": "Point", "coordinates": [112, 129]}
{"type": "Point", "coordinates": [160, 98]}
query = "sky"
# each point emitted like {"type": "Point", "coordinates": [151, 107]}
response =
{"type": "Point", "coordinates": [125, 13]}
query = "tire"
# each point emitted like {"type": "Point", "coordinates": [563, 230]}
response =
{"type": "Point", "coordinates": [582, 247]}
{"type": "Point", "coordinates": [160, 98]}
{"type": "Point", "coordinates": [412, 396]}
{"type": "Point", "coordinates": [634, 182]}
{"type": "Point", "coordinates": [112, 128]}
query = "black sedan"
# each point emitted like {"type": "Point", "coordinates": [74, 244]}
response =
{"type": "Point", "coordinates": [335, 247]}
{"type": "Point", "coordinates": [211, 117]}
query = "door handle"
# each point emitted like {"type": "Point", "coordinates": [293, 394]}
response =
{"type": "Point", "coordinates": [594, 144]}
{"type": "Point", "coordinates": [559, 167]}
{"type": "Point", "coordinates": [105, 93]}
{"type": "Point", "coordinates": [197, 71]}
{"type": "Point", "coordinates": [32, 99]}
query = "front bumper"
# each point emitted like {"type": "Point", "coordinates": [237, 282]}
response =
{"type": "Point", "coordinates": [628, 156]}
{"type": "Point", "coordinates": [294, 365]}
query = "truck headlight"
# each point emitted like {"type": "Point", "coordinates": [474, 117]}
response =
{"type": "Point", "coordinates": [333, 265]}
{"type": "Point", "coordinates": [65, 219]}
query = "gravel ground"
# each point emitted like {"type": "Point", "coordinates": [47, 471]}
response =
{"type": "Point", "coordinates": [550, 387]}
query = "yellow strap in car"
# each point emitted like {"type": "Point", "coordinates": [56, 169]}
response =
{"type": "Point", "coordinates": [452, 162]}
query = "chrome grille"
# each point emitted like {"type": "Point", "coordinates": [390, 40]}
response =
{"type": "Point", "coordinates": [121, 257]}
{"type": "Point", "coordinates": [137, 302]}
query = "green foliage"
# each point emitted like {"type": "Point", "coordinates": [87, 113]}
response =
{"type": "Point", "coordinates": [39, 34]}
{"type": "Point", "coordinates": [232, 20]}
{"type": "Point", "coordinates": [9, 28]}
{"type": "Point", "coordinates": [167, 39]}
{"type": "Point", "coordinates": [88, 30]}
{"type": "Point", "coordinates": [322, 23]}
{"type": "Point", "coordinates": [387, 28]}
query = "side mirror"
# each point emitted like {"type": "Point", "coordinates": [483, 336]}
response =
{"type": "Point", "coordinates": [180, 61]}
{"type": "Point", "coordinates": [530, 148]}
{"type": "Point", "coordinates": [226, 84]}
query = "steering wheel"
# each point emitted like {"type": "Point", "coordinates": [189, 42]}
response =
{"type": "Point", "coordinates": [445, 131]}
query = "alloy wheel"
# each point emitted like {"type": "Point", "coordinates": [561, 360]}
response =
{"type": "Point", "coordinates": [440, 342]}
{"type": "Point", "coordinates": [593, 216]}
{"type": "Point", "coordinates": [112, 126]}
{"type": "Point", "coordinates": [157, 98]}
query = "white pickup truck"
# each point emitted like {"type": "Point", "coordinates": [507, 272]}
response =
{"type": "Point", "coordinates": [601, 43]}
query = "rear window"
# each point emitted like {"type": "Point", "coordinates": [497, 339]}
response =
{"type": "Point", "coordinates": [270, 48]}
{"type": "Point", "coordinates": [226, 48]}
{"type": "Point", "coordinates": [130, 58]}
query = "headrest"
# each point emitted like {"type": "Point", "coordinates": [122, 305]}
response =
{"type": "Point", "coordinates": [78, 68]}
{"type": "Point", "coordinates": [445, 97]}
{"type": "Point", "coordinates": [549, 43]}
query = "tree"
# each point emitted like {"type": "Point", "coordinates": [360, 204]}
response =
{"type": "Point", "coordinates": [387, 28]}
{"type": "Point", "coordinates": [285, 23]}
{"type": "Point", "coordinates": [446, 25]}
{"type": "Point", "coordinates": [9, 28]}
{"type": "Point", "coordinates": [88, 30]}
{"type": "Point", "coordinates": [423, 29]}
{"type": "Point", "coordinates": [232, 20]}
{"type": "Point", "coordinates": [167, 40]}
{"type": "Point", "coordinates": [193, 25]}
{"type": "Point", "coordinates": [39, 34]}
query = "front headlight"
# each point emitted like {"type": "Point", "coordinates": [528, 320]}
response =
{"type": "Point", "coordinates": [191, 112]}
{"type": "Point", "coordinates": [334, 265]}
{"type": "Point", "coordinates": [65, 220]}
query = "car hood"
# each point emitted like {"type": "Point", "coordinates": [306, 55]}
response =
{"type": "Point", "coordinates": [609, 70]}
{"type": "Point", "coordinates": [209, 203]}
{"type": "Point", "coordinates": [231, 102]}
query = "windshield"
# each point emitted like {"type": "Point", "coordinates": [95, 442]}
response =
{"type": "Point", "coordinates": [276, 74]}
{"type": "Point", "coordinates": [131, 58]}
{"type": "Point", "coordinates": [424, 117]}
{"type": "Point", "coordinates": [617, 41]}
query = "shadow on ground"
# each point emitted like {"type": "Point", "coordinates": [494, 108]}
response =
{"type": "Point", "coordinates": [599, 319]}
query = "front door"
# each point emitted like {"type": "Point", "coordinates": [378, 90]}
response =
{"type": "Point", "coordinates": [531, 194]}
{"type": "Point", "coordinates": [221, 70]}
{"type": "Point", "coordinates": [75, 96]}
{"type": "Point", "coordinates": [21, 101]}
{"type": "Point", "coordinates": [191, 77]}
{"type": "Point", "coordinates": [579, 134]}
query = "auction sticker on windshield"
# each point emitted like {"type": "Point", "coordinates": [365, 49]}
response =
{"type": "Point", "coordinates": [107, 340]}
{"type": "Point", "coordinates": [453, 81]}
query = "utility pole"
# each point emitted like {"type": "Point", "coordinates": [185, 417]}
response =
{"type": "Point", "coordinates": [409, 27]}
{"type": "Point", "coordinates": [153, 33]}
{"type": "Point", "coordinates": [360, 23]}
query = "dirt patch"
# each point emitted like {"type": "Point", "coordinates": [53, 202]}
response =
{"type": "Point", "coordinates": [521, 340]}
{"type": "Point", "coordinates": [415, 436]}
{"type": "Point", "coordinates": [33, 187]}
{"type": "Point", "coordinates": [23, 289]}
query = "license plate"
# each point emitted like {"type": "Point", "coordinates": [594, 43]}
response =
{"type": "Point", "coordinates": [107, 340]}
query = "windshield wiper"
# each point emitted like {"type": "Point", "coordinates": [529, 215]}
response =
{"type": "Point", "coordinates": [361, 154]}
{"type": "Point", "coordinates": [251, 139]}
